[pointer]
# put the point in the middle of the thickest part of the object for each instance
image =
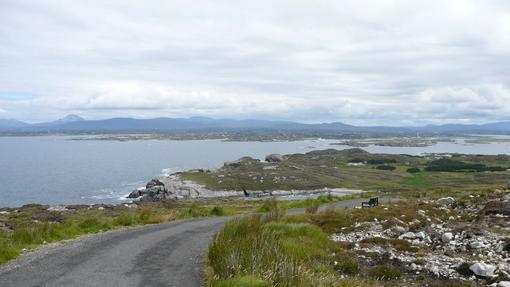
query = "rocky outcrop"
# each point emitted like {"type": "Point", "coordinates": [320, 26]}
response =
{"type": "Point", "coordinates": [154, 190]}
{"type": "Point", "coordinates": [242, 161]}
{"type": "Point", "coordinates": [173, 187]}
{"type": "Point", "coordinates": [274, 157]}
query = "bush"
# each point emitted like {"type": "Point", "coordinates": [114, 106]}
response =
{"type": "Point", "coordinates": [381, 161]}
{"type": "Point", "coordinates": [384, 272]}
{"type": "Point", "coordinates": [385, 167]}
{"type": "Point", "coordinates": [217, 211]}
{"type": "Point", "coordinates": [449, 165]}
{"type": "Point", "coordinates": [413, 170]}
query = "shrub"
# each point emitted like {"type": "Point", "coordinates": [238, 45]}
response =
{"type": "Point", "coordinates": [217, 211]}
{"type": "Point", "coordinates": [384, 272]}
{"type": "Point", "coordinates": [413, 170]}
{"type": "Point", "coordinates": [449, 165]}
{"type": "Point", "coordinates": [381, 161]}
{"type": "Point", "coordinates": [385, 167]}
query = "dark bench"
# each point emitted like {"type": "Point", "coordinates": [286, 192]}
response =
{"type": "Point", "coordinates": [374, 201]}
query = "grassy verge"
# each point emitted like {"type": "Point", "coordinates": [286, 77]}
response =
{"type": "Point", "coordinates": [33, 225]}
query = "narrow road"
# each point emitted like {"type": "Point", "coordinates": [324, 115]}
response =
{"type": "Point", "coordinates": [169, 254]}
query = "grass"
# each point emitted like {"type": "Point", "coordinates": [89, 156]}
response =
{"type": "Point", "coordinates": [280, 251]}
{"type": "Point", "coordinates": [295, 250]}
{"type": "Point", "coordinates": [330, 169]}
{"type": "Point", "coordinates": [273, 252]}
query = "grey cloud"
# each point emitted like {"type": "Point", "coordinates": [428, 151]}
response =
{"type": "Point", "coordinates": [364, 62]}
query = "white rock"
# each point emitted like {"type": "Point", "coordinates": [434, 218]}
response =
{"type": "Point", "coordinates": [504, 284]}
{"type": "Point", "coordinates": [482, 269]}
{"type": "Point", "coordinates": [447, 237]}
{"type": "Point", "coordinates": [476, 245]}
{"type": "Point", "coordinates": [408, 235]}
{"type": "Point", "coordinates": [421, 212]}
{"type": "Point", "coordinates": [57, 208]}
{"type": "Point", "coordinates": [420, 235]}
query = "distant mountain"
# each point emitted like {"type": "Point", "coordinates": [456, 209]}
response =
{"type": "Point", "coordinates": [65, 120]}
{"type": "Point", "coordinates": [11, 123]}
{"type": "Point", "coordinates": [74, 123]}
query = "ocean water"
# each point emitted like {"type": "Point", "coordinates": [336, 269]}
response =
{"type": "Point", "coordinates": [57, 170]}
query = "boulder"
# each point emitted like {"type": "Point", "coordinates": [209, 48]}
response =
{"type": "Point", "coordinates": [135, 194]}
{"type": "Point", "coordinates": [274, 157]}
{"type": "Point", "coordinates": [483, 270]}
{"type": "Point", "coordinates": [446, 201]}
{"type": "Point", "coordinates": [408, 235]}
{"type": "Point", "coordinates": [504, 284]}
{"type": "Point", "coordinates": [447, 237]}
{"type": "Point", "coordinates": [154, 190]}
{"type": "Point", "coordinates": [497, 207]}
{"type": "Point", "coordinates": [153, 183]}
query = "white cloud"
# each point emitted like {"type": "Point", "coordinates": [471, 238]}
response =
{"type": "Point", "coordinates": [364, 62]}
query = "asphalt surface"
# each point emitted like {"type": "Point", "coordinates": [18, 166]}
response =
{"type": "Point", "coordinates": [169, 254]}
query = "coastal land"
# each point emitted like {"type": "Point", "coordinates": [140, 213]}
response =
{"type": "Point", "coordinates": [445, 225]}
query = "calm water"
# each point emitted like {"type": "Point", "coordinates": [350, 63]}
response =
{"type": "Point", "coordinates": [55, 170]}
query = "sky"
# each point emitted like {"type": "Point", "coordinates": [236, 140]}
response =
{"type": "Point", "coordinates": [359, 62]}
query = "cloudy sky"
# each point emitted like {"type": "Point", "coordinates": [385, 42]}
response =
{"type": "Point", "coordinates": [360, 62]}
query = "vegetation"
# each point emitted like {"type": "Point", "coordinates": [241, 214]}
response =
{"type": "Point", "coordinates": [295, 250]}
{"type": "Point", "coordinates": [413, 170]}
{"type": "Point", "coordinates": [274, 251]}
{"type": "Point", "coordinates": [449, 165]}
{"type": "Point", "coordinates": [402, 174]}
{"type": "Point", "coordinates": [385, 167]}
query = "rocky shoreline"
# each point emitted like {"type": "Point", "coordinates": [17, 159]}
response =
{"type": "Point", "coordinates": [173, 187]}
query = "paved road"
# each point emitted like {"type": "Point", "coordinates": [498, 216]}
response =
{"type": "Point", "coordinates": [169, 254]}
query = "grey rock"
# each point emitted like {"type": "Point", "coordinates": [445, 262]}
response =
{"type": "Point", "coordinates": [446, 237]}
{"type": "Point", "coordinates": [446, 201]}
{"type": "Point", "coordinates": [274, 157]}
{"type": "Point", "coordinates": [482, 269]}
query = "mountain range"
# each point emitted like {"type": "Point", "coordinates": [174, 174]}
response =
{"type": "Point", "coordinates": [77, 124]}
